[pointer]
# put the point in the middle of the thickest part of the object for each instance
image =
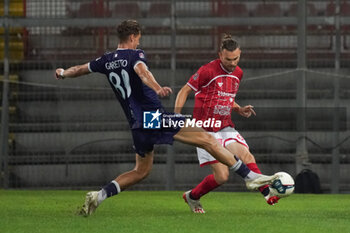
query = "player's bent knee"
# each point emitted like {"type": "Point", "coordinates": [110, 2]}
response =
{"type": "Point", "coordinates": [221, 177]}
{"type": "Point", "coordinates": [143, 172]}
{"type": "Point", "coordinates": [247, 157]}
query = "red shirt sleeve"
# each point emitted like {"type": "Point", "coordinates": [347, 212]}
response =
{"type": "Point", "coordinates": [240, 73]}
{"type": "Point", "coordinates": [198, 79]}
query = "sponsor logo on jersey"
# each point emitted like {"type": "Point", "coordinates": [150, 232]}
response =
{"type": "Point", "coordinates": [222, 93]}
{"type": "Point", "coordinates": [141, 55]}
{"type": "Point", "coordinates": [222, 110]}
{"type": "Point", "coordinates": [195, 76]}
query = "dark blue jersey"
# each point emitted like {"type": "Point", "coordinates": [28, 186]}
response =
{"type": "Point", "coordinates": [133, 95]}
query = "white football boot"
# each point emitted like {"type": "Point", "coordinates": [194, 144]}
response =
{"type": "Point", "coordinates": [260, 180]}
{"type": "Point", "coordinates": [90, 204]}
{"type": "Point", "coordinates": [195, 205]}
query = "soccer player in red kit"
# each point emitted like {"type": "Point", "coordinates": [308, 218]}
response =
{"type": "Point", "coordinates": [215, 85]}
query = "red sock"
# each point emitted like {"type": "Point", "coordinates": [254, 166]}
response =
{"type": "Point", "coordinates": [208, 183]}
{"type": "Point", "coordinates": [253, 167]}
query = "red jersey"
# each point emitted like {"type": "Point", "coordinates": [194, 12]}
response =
{"type": "Point", "coordinates": [215, 91]}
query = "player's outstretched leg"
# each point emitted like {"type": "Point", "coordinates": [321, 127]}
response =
{"type": "Point", "coordinates": [195, 205]}
{"type": "Point", "coordinates": [198, 137]}
{"type": "Point", "coordinates": [242, 151]}
{"type": "Point", "coordinates": [142, 168]}
{"type": "Point", "coordinates": [90, 205]}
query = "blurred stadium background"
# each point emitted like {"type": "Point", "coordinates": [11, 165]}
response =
{"type": "Point", "coordinates": [73, 134]}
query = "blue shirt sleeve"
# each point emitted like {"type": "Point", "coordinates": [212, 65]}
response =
{"type": "Point", "coordinates": [98, 65]}
{"type": "Point", "coordinates": [139, 56]}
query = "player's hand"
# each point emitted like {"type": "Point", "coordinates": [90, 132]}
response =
{"type": "Point", "coordinates": [247, 111]}
{"type": "Point", "coordinates": [164, 91]}
{"type": "Point", "coordinates": [59, 74]}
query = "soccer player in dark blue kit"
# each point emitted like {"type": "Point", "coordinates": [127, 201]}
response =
{"type": "Point", "coordinates": [137, 91]}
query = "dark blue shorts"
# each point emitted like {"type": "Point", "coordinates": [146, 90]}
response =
{"type": "Point", "coordinates": [145, 139]}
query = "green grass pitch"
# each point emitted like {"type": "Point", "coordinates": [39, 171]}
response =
{"type": "Point", "coordinates": [166, 212]}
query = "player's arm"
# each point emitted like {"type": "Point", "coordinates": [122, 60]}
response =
{"type": "Point", "coordinates": [181, 98]}
{"type": "Point", "coordinates": [72, 72]}
{"type": "Point", "coordinates": [245, 111]}
{"type": "Point", "coordinates": [147, 78]}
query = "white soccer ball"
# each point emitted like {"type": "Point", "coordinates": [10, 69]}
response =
{"type": "Point", "coordinates": [283, 186]}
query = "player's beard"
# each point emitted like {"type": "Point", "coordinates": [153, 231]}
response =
{"type": "Point", "coordinates": [230, 68]}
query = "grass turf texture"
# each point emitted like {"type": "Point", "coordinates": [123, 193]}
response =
{"type": "Point", "coordinates": [166, 212]}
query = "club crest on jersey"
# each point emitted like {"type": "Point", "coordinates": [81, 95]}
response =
{"type": "Point", "coordinates": [220, 84]}
{"type": "Point", "coordinates": [236, 87]}
{"type": "Point", "coordinates": [141, 55]}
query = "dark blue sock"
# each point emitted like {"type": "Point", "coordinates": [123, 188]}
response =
{"type": "Point", "coordinates": [111, 189]}
{"type": "Point", "coordinates": [243, 170]}
{"type": "Point", "coordinates": [240, 168]}
{"type": "Point", "coordinates": [265, 191]}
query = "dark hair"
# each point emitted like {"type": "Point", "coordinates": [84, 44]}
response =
{"type": "Point", "coordinates": [228, 43]}
{"type": "Point", "coordinates": [127, 28]}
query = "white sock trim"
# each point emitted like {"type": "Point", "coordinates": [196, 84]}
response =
{"type": "Point", "coordinates": [236, 166]}
{"type": "Point", "coordinates": [116, 185]}
{"type": "Point", "coordinates": [102, 195]}
{"type": "Point", "coordinates": [252, 175]}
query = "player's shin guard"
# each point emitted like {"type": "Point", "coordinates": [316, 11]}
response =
{"type": "Point", "coordinates": [241, 169]}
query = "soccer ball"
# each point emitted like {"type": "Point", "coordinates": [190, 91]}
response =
{"type": "Point", "coordinates": [283, 186]}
